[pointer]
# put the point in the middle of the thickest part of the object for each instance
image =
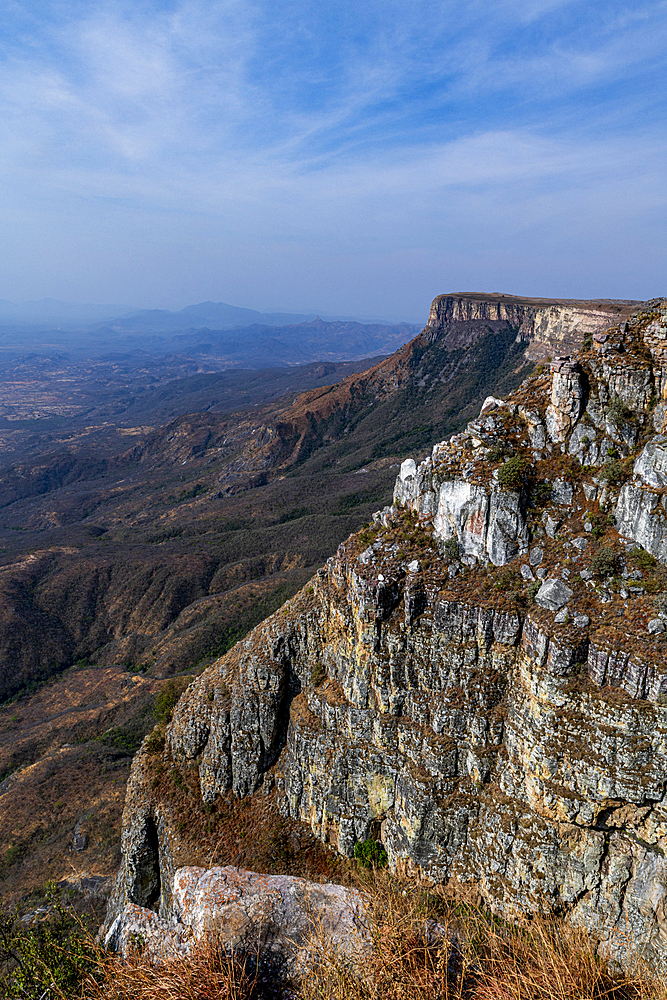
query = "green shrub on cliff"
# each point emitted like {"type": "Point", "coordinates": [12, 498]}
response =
{"type": "Point", "coordinates": [604, 561]}
{"type": "Point", "coordinates": [512, 473]}
{"type": "Point", "coordinates": [370, 853]}
{"type": "Point", "coordinates": [167, 699]}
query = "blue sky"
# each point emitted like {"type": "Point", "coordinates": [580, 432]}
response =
{"type": "Point", "coordinates": [354, 158]}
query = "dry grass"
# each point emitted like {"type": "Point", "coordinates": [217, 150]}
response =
{"type": "Point", "coordinates": [208, 973]}
{"type": "Point", "coordinates": [427, 944]}
{"type": "Point", "coordinates": [431, 945]}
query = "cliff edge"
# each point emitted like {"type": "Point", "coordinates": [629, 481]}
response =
{"type": "Point", "coordinates": [478, 678]}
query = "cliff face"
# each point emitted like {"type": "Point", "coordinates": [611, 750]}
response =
{"type": "Point", "coordinates": [546, 326]}
{"type": "Point", "coordinates": [479, 678]}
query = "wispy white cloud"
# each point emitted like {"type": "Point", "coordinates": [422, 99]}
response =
{"type": "Point", "coordinates": [328, 126]}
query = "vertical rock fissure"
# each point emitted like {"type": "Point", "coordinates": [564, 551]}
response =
{"type": "Point", "coordinates": [145, 884]}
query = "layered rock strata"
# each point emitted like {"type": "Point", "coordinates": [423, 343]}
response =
{"type": "Point", "coordinates": [479, 678]}
{"type": "Point", "coordinates": [546, 326]}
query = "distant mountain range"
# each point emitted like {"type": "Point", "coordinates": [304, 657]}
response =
{"type": "Point", "coordinates": [212, 334]}
{"type": "Point", "coordinates": [216, 315]}
{"type": "Point", "coordinates": [50, 312]}
{"type": "Point", "coordinates": [122, 318]}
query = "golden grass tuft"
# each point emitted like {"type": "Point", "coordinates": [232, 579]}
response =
{"type": "Point", "coordinates": [430, 944]}
{"type": "Point", "coordinates": [207, 973]}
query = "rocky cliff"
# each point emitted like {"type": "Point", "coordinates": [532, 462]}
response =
{"type": "Point", "coordinates": [545, 326]}
{"type": "Point", "coordinates": [478, 678]}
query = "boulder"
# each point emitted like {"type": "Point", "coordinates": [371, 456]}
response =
{"type": "Point", "coordinates": [553, 595]}
{"type": "Point", "coordinates": [278, 917]}
{"type": "Point", "coordinates": [490, 403]}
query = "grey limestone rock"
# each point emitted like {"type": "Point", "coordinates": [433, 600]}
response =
{"type": "Point", "coordinates": [551, 526]}
{"type": "Point", "coordinates": [581, 621]}
{"type": "Point", "coordinates": [655, 626]}
{"type": "Point", "coordinates": [651, 466]}
{"type": "Point", "coordinates": [566, 399]}
{"type": "Point", "coordinates": [553, 594]}
{"type": "Point", "coordinates": [281, 918]}
{"type": "Point", "coordinates": [527, 573]}
{"type": "Point", "coordinates": [562, 493]}
{"type": "Point", "coordinates": [488, 524]}
{"type": "Point", "coordinates": [640, 514]}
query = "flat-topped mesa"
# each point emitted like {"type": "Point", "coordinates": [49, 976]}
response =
{"type": "Point", "coordinates": [478, 679]}
{"type": "Point", "coordinates": [546, 326]}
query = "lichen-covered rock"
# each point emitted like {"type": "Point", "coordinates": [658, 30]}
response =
{"type": "Point", "coordinates": [279, 918]}
{"type": "Point", "coordinates": [487, 524]}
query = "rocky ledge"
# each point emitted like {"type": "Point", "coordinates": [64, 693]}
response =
{"type": "Point", "coordinates": [479, 677]}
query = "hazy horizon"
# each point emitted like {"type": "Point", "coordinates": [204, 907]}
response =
{"type": "Point", "coordinates": [345, 160]}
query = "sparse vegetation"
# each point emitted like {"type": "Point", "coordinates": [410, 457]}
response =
{"type": "Point", "coordinates": [53, 957]}
{"type": "Point", "coordinates": [370, 854]}
{"type": "Point", "coordinates": [496, 453]}
{"type": "Point", "coordinates": [643, 560]}
{"type": "Point", "coordinates": [617, 411]}
{"type": "Point", "coordinates": [433, 945]}
{"type": "Point", "coordinates": [166, 701]}
{"type": "Point", "coordinates": [318, 674]}
{"type": "Point", "coordinates": [450, 549]}
{"type": "Point", "coordinates": [512, 473]}
{"type": "Point", "coordinates": [615, 472]}
{"type": "Point", "coordinates": [604, 561]}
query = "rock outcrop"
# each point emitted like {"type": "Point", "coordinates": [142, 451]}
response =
{"type": "Point", "coordinates": [546, 326]}
{"type": "Point", "coordinates": [287, 917]}
{"type": "Point", "coordinates": [476, 678]}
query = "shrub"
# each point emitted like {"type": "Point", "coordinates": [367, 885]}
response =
{"type": "Point", "coordinates": [540, 494]}
{"type": "Point", "coordinates": [618, 412]}
{"type": "Point", "coordinates": [496, 453]}
{"type": "Point", "coordinates": [450, 549]}
{"type": "Point", "coordinates": [645, 561]}
{"type": "Point", "coordinates": [318, 674]}
{"type": "Point", "coordinates": [51, 958]}
{"type": "Point", "coordinates": [511, 474]}
{"type": "Point", "coordinates": [615, 472]}
{"type": "Point", "coordinates": [370, 854]}
{"type": "Point", "coordinates": [508, 580]}
{"type": "Point", "coordinates": [156, 741]}
{"type": "Point", "coordinates": [604, 561]}
{"type": "Point", "coordinates": [166, 701]}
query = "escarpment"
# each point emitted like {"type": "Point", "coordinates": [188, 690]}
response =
{"type": "Point", "coordinates": [545, 326]}
{"type": "Point", "coordinates": [478, 679]}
